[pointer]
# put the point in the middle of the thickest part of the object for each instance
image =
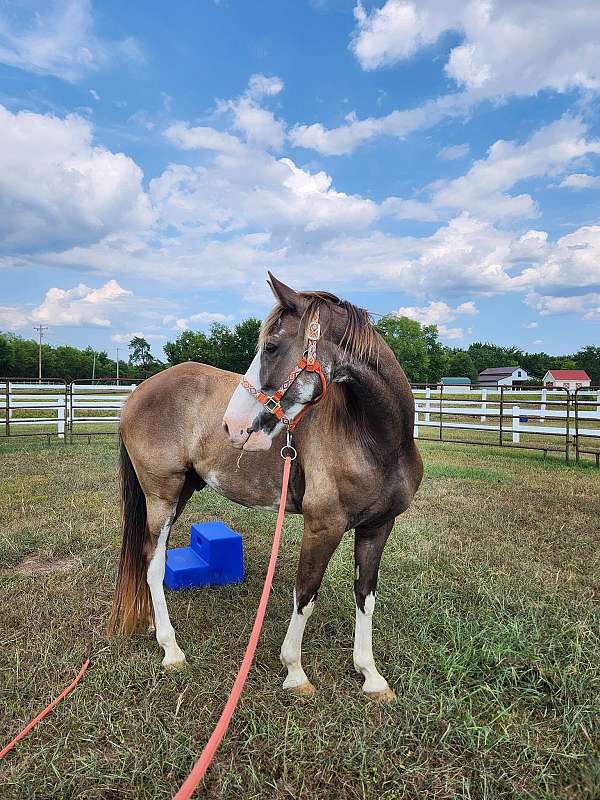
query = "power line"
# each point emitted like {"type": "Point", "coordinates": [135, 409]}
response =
{"type": "Point", "coordinates": [40, 329]}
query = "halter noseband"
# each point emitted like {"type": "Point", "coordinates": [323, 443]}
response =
{"type": "Point", "coordinates": [309, 363]}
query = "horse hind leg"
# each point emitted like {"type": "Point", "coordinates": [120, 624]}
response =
{"type": "Point", "coordinates": [161, 515]}
{"type": "Point", "coordinates": [368, 548]}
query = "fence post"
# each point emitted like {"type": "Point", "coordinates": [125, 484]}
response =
{"type": "Point", "coordinates": [501, 412]}
{"type": "Point", "coordinates": [427, 404]}
{"type": "Point", "coordinates": [543, 405]}
{"type": "Point", "coordinates": [441, 411]}
{"type": "Point", "coordinates": [483, 404]}
{"type": "Point", "coordinates": [7, 416]}
{"type": "Point", "coordinates": [416, 428]}
{"type": "Point", "coordinates": [516, 424]}
{"type": "Point", "coordinates": [60, 425]}
{"type": "Point", "coordinates": [568, 426]}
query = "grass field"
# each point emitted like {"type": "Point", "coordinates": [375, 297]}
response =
{"type": "Point", "coordinates": [486, 626]}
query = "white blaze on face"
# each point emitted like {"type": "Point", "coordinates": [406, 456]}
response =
{"type": "Point", "coordinates": [243, 409]}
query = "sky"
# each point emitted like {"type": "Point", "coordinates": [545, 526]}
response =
{"type": "Point", "coordinates": [438, 159]}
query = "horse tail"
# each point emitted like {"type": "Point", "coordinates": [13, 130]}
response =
{"type": "Point", "coordinates": [132, 603]}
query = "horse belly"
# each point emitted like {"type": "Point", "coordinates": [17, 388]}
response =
{"type": "Point", "coordinates": [251, 491]}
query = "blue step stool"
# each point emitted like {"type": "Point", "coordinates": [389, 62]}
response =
{"type": "Point", "coordinates": [214, 557]}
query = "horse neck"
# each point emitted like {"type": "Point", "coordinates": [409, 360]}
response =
{"type": "Point", "coordinates": [384, 400]}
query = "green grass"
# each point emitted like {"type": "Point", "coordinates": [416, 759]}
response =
{"type": "Point", "coordinates": [485, 626]}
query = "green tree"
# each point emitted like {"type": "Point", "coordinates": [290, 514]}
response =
{"type": "Point", "coordinates": [588, 358]}
{"type": "Point", "coordinates": [486, 355]}
{"type": "Point", "coordinates": [227, 348]}
{"type": "Point", "coordinates": [190, 346]}
{"type": "Point", "coordinates": [436, 353]}
{"type": "Point", "coordinates": [461, 365]}
{"type": "Point", "coordinates": [139, 355]}
{"type": "Point", "coordinates": [407, 341]}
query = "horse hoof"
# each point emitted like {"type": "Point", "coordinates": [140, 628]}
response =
{"type": "Point", "coordinates": [387, 695]}
{"type": "Point", "coordinates": [173, 665]}
{"type": "Point", "coordinates": [305, 689]}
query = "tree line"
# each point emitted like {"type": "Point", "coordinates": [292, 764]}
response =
{"type": "Point", "coordinates": [417, 347]}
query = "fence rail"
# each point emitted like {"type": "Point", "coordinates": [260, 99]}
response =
{"type": "Point", "coordinates": [537, 418]}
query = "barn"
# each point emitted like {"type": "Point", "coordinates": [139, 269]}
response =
{"type": "Point", "coordinates": [503, 376]}
{"type": "Point", "coordinates": [570, 379]}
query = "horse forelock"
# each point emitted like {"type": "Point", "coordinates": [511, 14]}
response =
{"type": "Point", "coordinates": [358, 339]}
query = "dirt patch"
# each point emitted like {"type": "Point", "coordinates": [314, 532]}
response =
{"type": "Point", "coordinates": [34, 565]}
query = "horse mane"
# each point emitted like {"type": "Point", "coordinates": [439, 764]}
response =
{"type": "Point", "coordinates": [359, 337]}
{"type": "Point", "coordinates": [340, 408]}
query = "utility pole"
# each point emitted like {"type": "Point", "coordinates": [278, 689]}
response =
{"type": "Point", "coordinates": [117, 366]}
{"type": "Point", "coordinates": [40, 329]}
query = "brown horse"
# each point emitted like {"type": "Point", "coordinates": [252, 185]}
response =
{"type": "Point", "coordinates": [357, 464]}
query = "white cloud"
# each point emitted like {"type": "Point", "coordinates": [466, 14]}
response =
{"type": "Point", "coordinates": [57, 38]}
{"type": "Point", "coordinates": [580, 180]}
{"type": "Point", "coordinates": [95, 95]}
{"type": "Point", "coordinates": [260, 86]}
{"type": "Point", "coordinates": [80, 306]}
{"type": "Point", "coordinates": [12, 318]}
{"type": "Point", "coordinates": [437, 312]}
{"type": "Point", "coordinates": [573, 261]}
{"type": "Point", "coordinates": [202, 318]}
{"type": "Point", "coordinates": [454, 152]}
{"type": "Point", "coordinates": [57, 189]}
{"type": "Point", "coordinates": [508, 46]}
{"type": "Point", "coordinates": [347, 137]}
{"type": "Point", "coordinates": [202, 138]}
{"type": "Point", "coordinates": [551, 305]}
{"type": "Point", "coordinates": [125, 338]}
{"type": "Point", "coordinates": [531, 325]}
{"type": "Point", "coordinates": [246, 188]}
{"type": "Point", "coordinates": [258, 125]}
{"type": "Point", "coordinates": [483, 189]}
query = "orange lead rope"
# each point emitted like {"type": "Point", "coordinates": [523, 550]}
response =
{"type": "Point", "coordinates": [190, 784]}
{"type": "Point", "coordinates": [47, 710]}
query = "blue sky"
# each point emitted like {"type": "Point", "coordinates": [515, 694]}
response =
{"type": "Point", "coordinates": [437, 159]}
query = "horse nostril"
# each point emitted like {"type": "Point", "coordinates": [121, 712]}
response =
{"type": "Point", "coordinates": [225, 427]}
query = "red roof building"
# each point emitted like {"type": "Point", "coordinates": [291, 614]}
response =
{"type": "Point", "coordinates": [566, 378]}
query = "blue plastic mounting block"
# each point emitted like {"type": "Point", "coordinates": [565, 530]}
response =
{"type": "Point", "coordinates": [215, 556]}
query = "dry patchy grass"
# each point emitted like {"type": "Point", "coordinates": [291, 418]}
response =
{"type": "Point", "coordinates": [485, 626]}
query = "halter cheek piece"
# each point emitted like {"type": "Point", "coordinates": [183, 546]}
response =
{"type": "Point", "coordinates": [309, 363]}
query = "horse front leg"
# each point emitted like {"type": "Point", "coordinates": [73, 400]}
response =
{"type": "Point", "coordinates": [318, 545]}
{"type": "Point", "coordinates": [368, 548]}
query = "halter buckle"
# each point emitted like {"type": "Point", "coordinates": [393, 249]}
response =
{"type": "Point", "coordinates": [272, 405]}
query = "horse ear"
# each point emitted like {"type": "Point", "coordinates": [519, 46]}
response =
{"type": "Point", "coordinates": [288, 297]}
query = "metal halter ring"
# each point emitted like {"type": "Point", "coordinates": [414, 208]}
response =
{"type": "Point", "coordinates": [288, 446]}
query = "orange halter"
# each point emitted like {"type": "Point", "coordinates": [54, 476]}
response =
{"type": "Point", "coordinates": [309, 363]}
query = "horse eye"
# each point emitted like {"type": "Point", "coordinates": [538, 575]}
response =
{"type": "Point", "coordinates": [270, 347]}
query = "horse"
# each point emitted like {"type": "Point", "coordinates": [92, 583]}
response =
{"type": "Point", "coordinates": [357, 465]}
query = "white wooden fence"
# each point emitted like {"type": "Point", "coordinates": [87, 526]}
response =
{"type": "Point", "coordinates": [512, 412]}
{"type": "Point", "coordinates": [60, 405]}
{"type": "Point", "coordinates": [485, 409]}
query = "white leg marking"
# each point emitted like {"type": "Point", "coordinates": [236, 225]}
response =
{"type": "Point", "coordinates": [165, 634]}
{"type": "Point", "coordinates": [291, 649]}
{"type": "Point", "coordinates": [363, 648]}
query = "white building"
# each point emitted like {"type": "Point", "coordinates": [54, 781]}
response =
{"type": "Point", "coordinates": [503, 376]}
